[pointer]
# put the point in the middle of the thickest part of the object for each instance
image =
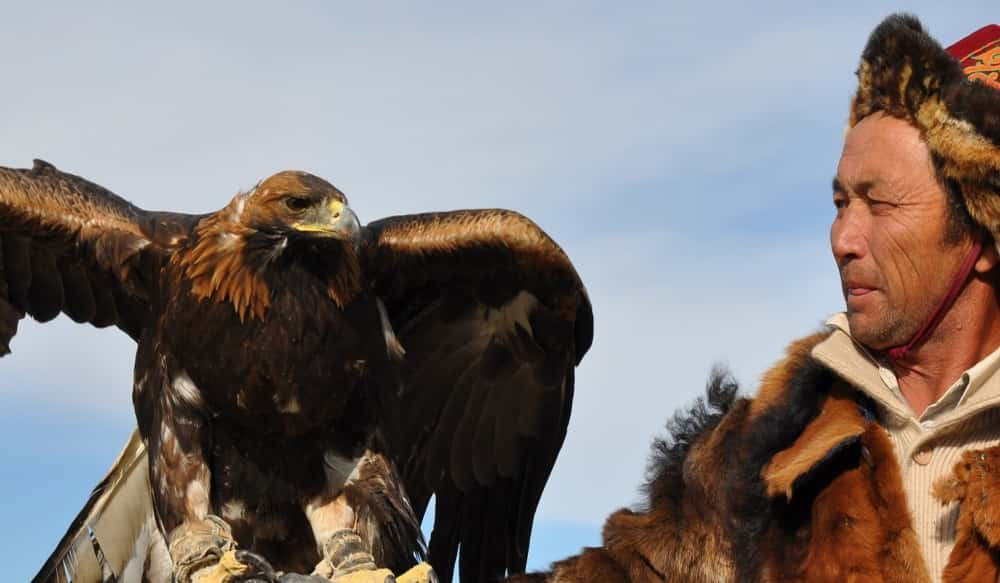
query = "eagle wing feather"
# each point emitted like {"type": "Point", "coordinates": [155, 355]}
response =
{"type": "Point", "coordinates": [493, 318]}
{"type": "Point", "coordinates": [70, 246]}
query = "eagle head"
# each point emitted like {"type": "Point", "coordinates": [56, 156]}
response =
{"type": "Point", "coordinates": [299, 206]}
{"type": "Point", "coordinates": [249, 246]}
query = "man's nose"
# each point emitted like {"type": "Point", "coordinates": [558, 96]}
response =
{"type": "Point", "coordinates": [847, 237]}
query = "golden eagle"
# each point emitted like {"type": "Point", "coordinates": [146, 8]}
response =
{"type": "Point", "coordinates": [299, 374]}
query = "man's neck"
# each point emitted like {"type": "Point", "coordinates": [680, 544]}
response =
{"type": "Point", "coordinates": [968, 333]}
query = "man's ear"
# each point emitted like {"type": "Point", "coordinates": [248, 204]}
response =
{"type": "Point", "coordinates": [988, 259]}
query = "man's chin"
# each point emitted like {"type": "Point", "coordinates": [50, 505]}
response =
{"type": "Point", "coordinates": [874, 333]}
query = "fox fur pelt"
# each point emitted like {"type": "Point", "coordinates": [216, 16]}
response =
{"type": "Point", "coordinates": [798, 484]}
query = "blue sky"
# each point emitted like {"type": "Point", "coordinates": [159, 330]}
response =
{"type": "Point", "coordinates": [680, 152]}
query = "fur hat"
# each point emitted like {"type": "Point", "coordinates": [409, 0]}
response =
{"type": "Point", "coordinates": [952, 96]}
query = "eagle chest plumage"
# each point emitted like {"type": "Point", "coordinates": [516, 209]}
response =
{"type": "Point", "coordinates": [279, 390]}
{"type": "Point", "coordinates": [301, 364]}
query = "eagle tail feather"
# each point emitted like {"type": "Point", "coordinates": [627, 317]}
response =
{"type": "Point", "coordinates": [111, 537]}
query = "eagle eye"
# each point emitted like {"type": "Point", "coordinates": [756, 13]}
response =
{"type": "Point", "coordinates": [297, 203]}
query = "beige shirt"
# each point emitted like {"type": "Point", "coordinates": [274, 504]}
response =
{"type": "Point", "coordinates": [966, 417]}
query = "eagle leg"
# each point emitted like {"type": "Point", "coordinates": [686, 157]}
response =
{"type": "Point", "coordinates": [200, 544]}
{"type": "Point", "coordinates": [362, 499]}
{"type": "Point", "coordinates": [346, 557]}
{"type": "Point", "coordinates": [333, 521]}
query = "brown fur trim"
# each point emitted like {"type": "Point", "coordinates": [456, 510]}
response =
{"type": "Point", "coordinates": [710, 517]}
{"type": "Point", "coordinates": [845, 537]}
{"type": "Point", "coordinates": [687, 541]}
{"type": "Point", "coordinates": [838, 421]}
{"type": "Point", "coordinates": [682, 535]}
{"type": "Point", "coordinates": [900, 555]}
{"type": "Point", "coordinates": [975, 483]}
{"type": "Point", "coordinates": [593, 564]}
{"type": "Point", "coordinates": [776, 381]}
{"type": "Point", "coordinates": [905, 73]}
{"type": "Point", "coordinates": [858, 526]}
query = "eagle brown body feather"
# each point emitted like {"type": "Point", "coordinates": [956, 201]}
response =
{"type": "Point", "coordinates": [301, 376]}
{"type": "Point", "coordinates": [282, 363]}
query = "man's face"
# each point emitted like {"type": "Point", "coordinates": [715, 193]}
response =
{"type": "Point", "coordinates": [889, 233]}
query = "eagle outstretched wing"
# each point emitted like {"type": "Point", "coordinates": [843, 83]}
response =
{"type": "Point", "coordinates": [70, 246]}
{"type": "Point", "coordinates": [493, 318]}
{"type": "Point", "coordinates": [488, 309]}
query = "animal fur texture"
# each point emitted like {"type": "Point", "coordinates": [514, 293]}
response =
{"type": "Point", "coordinates": [905, 73]}
{"type": "Point", "coordinates": [799, 484]}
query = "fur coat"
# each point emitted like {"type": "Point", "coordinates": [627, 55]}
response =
{"type": "Point", "coordinates": [799, 483]}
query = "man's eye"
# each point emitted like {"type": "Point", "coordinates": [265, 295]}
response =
{"type": "Point", "coordinates": [297, 203]}
{"type": "Point", "coordinates": [881, 206]}
{"type": "Point", "coordinates": [840, 203]}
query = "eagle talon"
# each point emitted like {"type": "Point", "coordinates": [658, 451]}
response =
{"type": "Point", "coordinates": [237, 567]}
{"type": "Point", "coordinates": [252, 567]}
{"type": "Point", "coordinates": [205, 552]}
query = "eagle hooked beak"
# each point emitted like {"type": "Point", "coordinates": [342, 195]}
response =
{"type": "Point", "coordinates": [335, 220]}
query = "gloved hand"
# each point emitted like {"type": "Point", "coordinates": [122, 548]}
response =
{"type": "Point", "coordinates": [235, 566]}
{"type": "Point", "coordinates": [422, 573]}
{"type": "Point", "coordinates": [347, 560]}
{"type": "Point", "coordinates": [197, 547]}
{"type": "Point", "coordinates": [248, 567]}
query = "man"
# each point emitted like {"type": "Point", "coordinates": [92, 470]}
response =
{"type": "Point", "coordinates": [872, 452]}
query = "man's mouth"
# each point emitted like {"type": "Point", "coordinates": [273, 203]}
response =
{"type": "Point", "coordinates": [856, 289]}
